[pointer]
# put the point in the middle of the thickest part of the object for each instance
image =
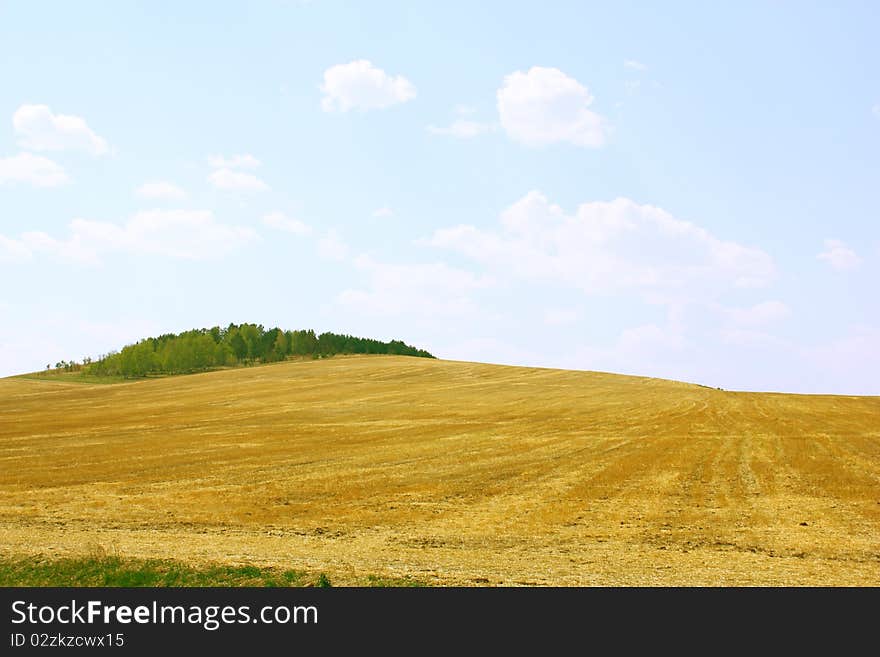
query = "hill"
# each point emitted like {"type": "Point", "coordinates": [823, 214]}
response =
{"type": "Point", "coordinates": [200, 350]}
{"type": "Point", "coordinates": [446, 472]}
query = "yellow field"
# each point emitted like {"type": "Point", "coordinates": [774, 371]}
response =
{"type": "Point", "coordinates": [449, 472]}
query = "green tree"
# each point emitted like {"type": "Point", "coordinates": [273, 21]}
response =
{"type": "Point", "coordinates": [252, 335]}
{"type": "Point", "coordinates": [279, 346]}
{"type": "Point", "coordinates": [237, 343]}
{"type": "Point", "coordinates": [201, 349]}
{"type": "Point", "coordinates": [223, 355]}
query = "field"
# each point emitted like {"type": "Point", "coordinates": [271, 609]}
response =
{"type": "Point", "coordinates": [446, 473]}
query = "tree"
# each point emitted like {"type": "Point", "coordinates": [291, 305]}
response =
{"type": "Point", "coordinates": [202, 346]}
{"type": "Point", "coordinates": [251, 335]}
{"type": "Point", "coordinates": [238, 344]}
{"type": "Point", "coordinates": [279, 349]}
{"type": "Point", "coordinates": [201, 349]}
{"type": "Point", "coordinates": [223, 355]}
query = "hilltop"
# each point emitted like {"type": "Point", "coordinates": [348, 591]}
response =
{"type": "Point", "coordinates": [446, 472]}
{"type": "Point", "coordinates": [200, 350]}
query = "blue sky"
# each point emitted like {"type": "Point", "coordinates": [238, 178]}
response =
{"type": "Point", "coordinates": [685, 191]}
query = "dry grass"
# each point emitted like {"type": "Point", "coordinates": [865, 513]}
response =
{"type": "Point", "coordinates": [447, 472]}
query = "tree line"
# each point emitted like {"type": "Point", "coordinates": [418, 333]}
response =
{"type": "Point", "coordinates": [237, 344]}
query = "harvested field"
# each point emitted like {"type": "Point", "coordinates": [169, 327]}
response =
{"type": "Point", "coordinates": [448, 472]}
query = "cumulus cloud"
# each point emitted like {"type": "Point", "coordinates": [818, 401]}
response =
{"type": "Point", "coordinates": [847, 359]}
{"type": "Point", "coordinates": [876, 110]}
{"type": "Point", "coordinates": [31, 169]}
{"type": "Point", "coordinates": [160, 190]}
{"type": "Point", "coordinates": [462, 129]}
{"type": "Point", "coordinates": [281, 221]}
{"type": "Point", "coordinates": [606, 247]}
{"type": "Point", "coordinates": [244, 161]}
{"type": "Point", "coordinates": [560, 316]}
{"type": "Point", "coordinates": [839, 255]}
{"type": "Point", "coordinates": [76, 248]}
{"type": "Point", "coordinates": [360, 85]}
{"type": "Point", "coordinates": [749, 337]}
{"type": "Point", "coordinates": [38, 129]}
{"type": "Point", "coordinates": [645, 350]}
{"type": "Point", "coordinates": [634, 65]}
{"type": "Point", "coordinates": [760, 314]}
{"type": "Point", "coordinates": [55, 333]}
{"type": "Point", "coordinates": [236, 181]}
{"type": "Point", "coordinates": [332, 247]}
{"type": "Point", "coordinates": [649, 338]}
{"type": "Point", "coordinates": [383, 212]}
{"type": "Point", "coordinates": [186, 234]}
{"type": "Point", "coordinates": [845, 364]}
{"type": "Point", "coordinates": [13, 250]}
{"type": "Point", "coordinates": [426, 289]}
{"type": "Point", "coordinates": [491, 350]}
{"type": "Point", "coordinates": [545, 106]}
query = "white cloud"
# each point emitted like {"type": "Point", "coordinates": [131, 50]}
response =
{"type": "Point", "coordinates": [236, 181]}
{"type": "Point", "coordinates": [634, 65]}
{"type": "Point", "coordinates": [632, 86]}
{"type": "Point", "coordinates": [331, 247]}
{"type": "Point", "coordinates": [606, 247]}
{"type": "Point", "coordinates": [760, 314]}
{"type": "Point", "coordinates": [282, 222]}
{"type": "Point", "coordinates": [31, 169]}
{"type": "Point", "coordinates": [186, 234]}
{"type": "Point", "coordinates": [13, 250]}
{"type": "Point", "coordinates": [462, 129]}
{"type": "Point", "coordinates": [54, 334]}
{"type": "Point", "coordinates": [244, 161]}
{"type": "Point", "coordinates": [545, 106]}
{"type": "Point", "coordinates": [489, 350]}
{"type": "Point", "coordinates": [360, 85]}
{"type": "Point", "coordinates": [160, 190]}
{"type": "Point", "coordinates": [839, 255]}
{"type": "Point", "coordinates": [560, 316]}
{"type": "Point", "coordinates": [848, 364]}
{"type": "Point", "coordinates": [38, 129]}
{"type": "Point", "coordinates": [426, 289]}
{"type": "Point", "coordinates": [75, 249]}
{"type": "Point", "coordinates": [749, 337]}
{"type": "Point", "coordinates": [876, 110]}
{"type": "Point", "coordinates": [464, 110]}
{"type": "Point", "coordinates": [383, 212]}
{"type": "Point", "coordinates": [645, 350]}
{"type": "Point", "coordinates": [648, 338]}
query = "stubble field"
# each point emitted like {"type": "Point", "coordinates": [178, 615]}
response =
{"type": "Point", "coordinates": [447, 472]}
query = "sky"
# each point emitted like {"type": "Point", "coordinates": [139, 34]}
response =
{"type": "Point", "coordinates": [687, 191]}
